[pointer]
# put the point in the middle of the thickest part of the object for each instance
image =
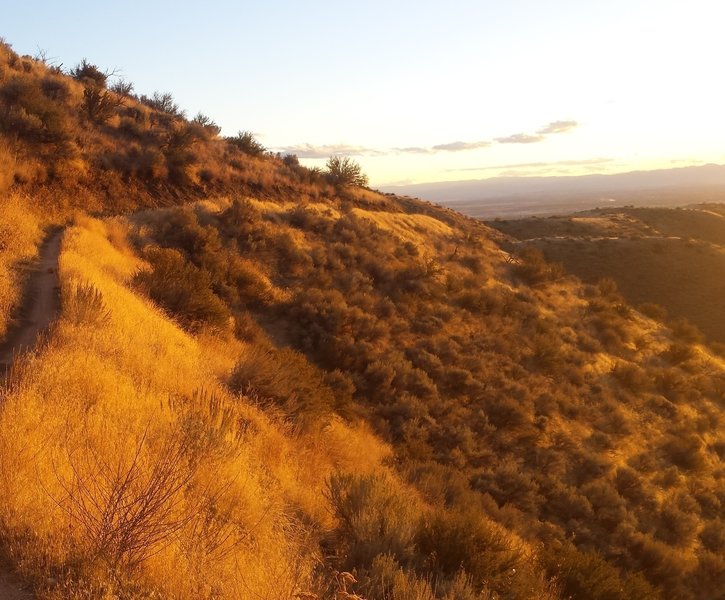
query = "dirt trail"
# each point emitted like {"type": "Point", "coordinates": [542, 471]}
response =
{"type": "Point", "coordinates": [40, 306]}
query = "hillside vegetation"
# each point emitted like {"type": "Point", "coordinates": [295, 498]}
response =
{"type": "Point", "coordinates": [285, 385]}
{"type": "Point", "coordinates": [665, 259]}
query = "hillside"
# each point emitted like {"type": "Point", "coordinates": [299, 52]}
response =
{"type": "Point", "coordinates": [664, 257]}
{"type": "Point", "coordinates": [275, 385]}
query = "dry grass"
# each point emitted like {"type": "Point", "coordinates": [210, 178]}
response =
{"type": "Point", "coordinates": [419, 230]}
{"type": "Point", "coordinates": [20, 235]}
{"type": "Point", "coordinates": [135, 470]}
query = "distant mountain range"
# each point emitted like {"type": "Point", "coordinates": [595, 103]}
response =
{"type": "Point", "coordinates": [518, 196]}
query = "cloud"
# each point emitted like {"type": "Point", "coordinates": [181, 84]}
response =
{"type": "Point", "coordinates": [413, 150]}
{"type": "Point", "coordinates": [327, 150]}
{"type": "Point", "coordinates": [558, 127]}
{"type": "Point", "coordinates": [539, 165]}
{"type": "Point", "coordinates": [460, 146]}
{"type": "Point", "coordinates": [521, 138]}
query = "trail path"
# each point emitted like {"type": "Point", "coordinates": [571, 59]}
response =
{"type": "Point", "coordinates": [39, 308]}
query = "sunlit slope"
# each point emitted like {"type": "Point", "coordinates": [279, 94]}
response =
{"type": "Point", "coordinates": [126, 466]}
{"type": "Point", "coordinates": [551, 407]}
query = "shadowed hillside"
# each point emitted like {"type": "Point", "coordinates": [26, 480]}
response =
{"type": "Point", "coordinates": [672, 258]}
{"type": "Point", "coordinates": [281, 384]}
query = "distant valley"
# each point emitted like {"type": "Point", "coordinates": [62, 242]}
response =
{"type": "Point", "coordinates": [526, 196]}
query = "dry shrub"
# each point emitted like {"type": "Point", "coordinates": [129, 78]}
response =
{"type": "Point", "coordinates": [183, 289]}
{"type": "Point", "coordinates": [376, 516]}
{"type": "Point", "coordinates": [83, 304]}
{"type": "Point", "coordinates": [287, 379]}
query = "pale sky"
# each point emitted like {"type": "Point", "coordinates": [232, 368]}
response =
{"type": "Point", "coordinates": [420, 91]}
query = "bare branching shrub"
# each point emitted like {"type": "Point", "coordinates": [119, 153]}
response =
{"type": "Point", "coordinates": [129, 507]}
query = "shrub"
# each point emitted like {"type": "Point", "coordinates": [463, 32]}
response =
{"type": "Point", "coordinates": [533, 268]}
{"type": "Point", "coordinates": [245, 142]}
{"type": "Point", "coordinates": [386, 579]}
{"type": "Point", "coordinates": [122, 87]}
{"type": "Point", "coordinates": [653, 311]}
{"type": "Point", "coordinates": [89, 74]}
{"type": "Point", "coordinates": [685, 451]}
{"type": "Point", "coordinates": [342, 170]}
{"type": "Point", "coordinates": [182, 289]}
{"type": "Point", "coordinates": [100, 104]}
{"type": "Point", "coordinates": [55, 88]}
{"type": "Point", "coordinates": [83, 305]}
{"type": "Point", "coordinates": [31, 114]}
{"type": "Point", "coordinates": [376, 516]}
{"type": "Point", "coordinates": [163, 102]}
{"type": "Point", "coordinates": [712, 536]}
{"type": "Point", "coordinates": [286, 378]}
{"type": "Point", "coordinates": [588, 575]}
{"type": "Point", "coordinates": [686, 331]}
{"type": "Point", "coordinates": [462, 539]}
{"type": "Point", "coordinates": [631, 376]}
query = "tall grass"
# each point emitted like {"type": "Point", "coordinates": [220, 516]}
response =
{"type": "Point", "coordinates": [126, 468]}
{"type": "Point", "coordinates": [20, 235]}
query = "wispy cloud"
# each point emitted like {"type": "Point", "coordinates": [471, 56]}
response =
{"type": "Point", "coordinates": [460, 146]}
{"type": "Point", "coordinates": [558, 127]}
{"type": "Point", "coordinates": [412, 150]}
{"type": "Point", "coordinates": [327, 150]}
{"type": "Point", "coordinates": [521, 138]}
{"type": "Point", "coordinates": [541, 165]}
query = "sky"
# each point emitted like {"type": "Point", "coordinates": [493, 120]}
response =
{"type": "Point", "coordinates": [419, 91]}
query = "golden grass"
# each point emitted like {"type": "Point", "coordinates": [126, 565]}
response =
{"type": "Point", "coordinates": [20, 235]}
{"type": "Point", "coordinates": [420, 230]}
{"type": "Point", "coordinates": [240, 504]}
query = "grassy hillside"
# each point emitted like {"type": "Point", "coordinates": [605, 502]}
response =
{"type": "Point", "coordinates": [667, 257]}
{"type": "Point", "coordinates": [268, 385]}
